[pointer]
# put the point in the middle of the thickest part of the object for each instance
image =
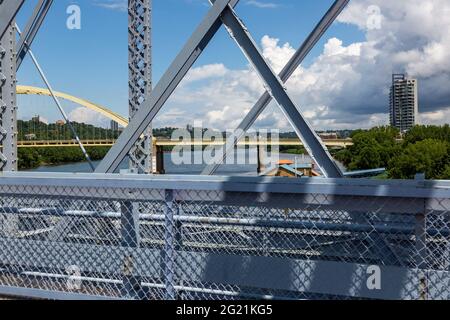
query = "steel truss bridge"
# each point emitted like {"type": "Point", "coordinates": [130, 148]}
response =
{"type": "Point", "coordinates": [338, 143]}
{"type": "Point", "coordinates": [140, 236]}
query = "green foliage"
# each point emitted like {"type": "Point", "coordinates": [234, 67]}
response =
{"type": "Point", "coordinates": [164, 132]}
{"type": "Point", "coordinates": [54, 131]}
{"type": "Point", "coordinates": [428, 156]}
{"type": "Point", "coordinates": [368, 158]}
{"type": "Point", "coordinates": [420, 133]}
{"type": "Point", "coordinates": [425, 149]}
{"type": "Point", "coordinates": [371, 149]}
{"type": "Point", "coordinates": [293, 150]}
{"type": "Point", "coordinates": [30, 158]}
{"type": "Point", "coordinates": [445, 173]}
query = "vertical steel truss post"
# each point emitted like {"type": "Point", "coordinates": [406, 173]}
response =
{"type": "Point", "coordinates": [170, 238]}
{"type": "Point", "coordinates": [8, 107]}
{"type": "Point", "coordinates": [140, 85]}
{"type": "Point", "coordinates": [140, 74]}
{"type": "Point", "coordinates": [132, 288]}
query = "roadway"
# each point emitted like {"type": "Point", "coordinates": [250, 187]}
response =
{"type": "Point", "coordinates": [331, 143]}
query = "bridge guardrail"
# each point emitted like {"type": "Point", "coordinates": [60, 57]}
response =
{"type": "Point", "coordinates": [126, 236]}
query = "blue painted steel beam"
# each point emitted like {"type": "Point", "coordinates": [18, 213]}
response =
{"type": "Point", "coordinates": [31, 29]}
{"type": "Point", "coordinates": [340, 187]}
{"type": "Point", "coordinates": [8, 11]}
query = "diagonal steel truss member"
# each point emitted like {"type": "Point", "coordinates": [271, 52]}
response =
{"type": "Point", "coordinates": [284, 75]}
{"type": "Point", "coordinates": [9, 63]}
{"type": "Point", "coordinates": [275, 87]}
{"type": "Point", "coordinates": [210, 24]}
{"type": "Point", "coordinates": [8, 11]}
{"type": "Point", "coordinates": [140, 75]}
{"type": "Point", "coordinates": [31, 29]}
{"type": "Point", "coordinates": [223, 12]}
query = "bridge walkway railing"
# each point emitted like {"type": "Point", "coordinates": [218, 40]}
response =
{"type": "Point", "coordinates": [188, 237]}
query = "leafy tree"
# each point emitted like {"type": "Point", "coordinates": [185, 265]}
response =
{"type": "Point", "coordinates": [371, 148]}
{"type": "Point", "coordinates": [428, 156]}
{"type": "Point", "coordinates": [29, 158]}
{"type": "Point", "coordinates": [368, 158]}
{"type": "Point", "coordinates": [420, 133]}
{"type": "Point", "coordinates": [445, 173]}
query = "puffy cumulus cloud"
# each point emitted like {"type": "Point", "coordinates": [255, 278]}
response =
{"type": "Point", "coordinates": [84, 115]}
{"type": "Point", "coordinates": [412, 37]}
{"type": "Point", "coordinates": [206, 72]}
{"type": "Point", "coordinates": [347, 85]}
{"type": "Point", "coordinates": [276, 55]}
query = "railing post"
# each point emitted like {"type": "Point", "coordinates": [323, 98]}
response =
{"type": "Point", "coordinates": [169, 248]}
{"type": "Point", "coordinates": [421, 246]}
{"type": "Point", "coordinates": [130, 239]}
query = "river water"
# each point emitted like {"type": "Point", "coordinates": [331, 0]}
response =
{"type": "Point", "coordinates": [171, 168]}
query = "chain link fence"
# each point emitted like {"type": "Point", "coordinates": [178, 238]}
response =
{"type": "Point", "coordinates": [195, 239]}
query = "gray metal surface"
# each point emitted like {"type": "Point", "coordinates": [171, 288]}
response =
{"type": "Point", "coordinates": [31, 29]}
{"type": "Point", "coordinates": [274, 185]}
{"type": "Point", "coordinates": [8, 105]}
{"type": "Point", "coordinates": [140, 77]}
{"type": "Point", "coordinates": [165, 87]}
{"type": "Point", "coordinates": [8, 11]}
{"type": "Point", "coordinates": [222, 238]}
{"type": "Point", "coordinates": [284, 75]}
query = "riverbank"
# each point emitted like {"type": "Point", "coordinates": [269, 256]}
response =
{"type": "Point", "coordinates": [32, 158]}
{"type": "Point", "coordinates": [72, 157]}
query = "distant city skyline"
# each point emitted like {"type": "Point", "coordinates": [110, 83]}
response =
{"type": "Point", "coordinates": [362, 46]}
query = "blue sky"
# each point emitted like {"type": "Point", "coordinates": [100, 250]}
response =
{"type": "Point", "coordinates": [92, 62]}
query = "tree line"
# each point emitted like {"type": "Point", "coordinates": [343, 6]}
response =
{"type": "Point", "coordinates": [30, 158]}
{"type": "Point", "coordinates": [423, 149]}
{"type": "Point", "coordinates": [37, 130]}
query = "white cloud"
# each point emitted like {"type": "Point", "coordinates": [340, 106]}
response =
{"type": "Point", "coordinates": [84, 115]}
{"type": "Point", "coordinates": [350, 81]}
{"type": "Point", "coordinates": [116, 5]}
{"type": "Point", "coordinates": [205, 72]}
{"type": "Point", "coordinates": [261, 4]}
{"type": "Point", "coordinates": [438, 117]}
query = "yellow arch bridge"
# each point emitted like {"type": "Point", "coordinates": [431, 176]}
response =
{"type": "Point", "coordinates": [123, 121]}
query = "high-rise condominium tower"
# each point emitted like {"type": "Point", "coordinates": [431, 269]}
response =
{"type": "Point", "coordinates": [404, 105]}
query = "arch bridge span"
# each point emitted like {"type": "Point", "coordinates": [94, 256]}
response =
{"type": "Point", "coordinates": [29, 90]}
